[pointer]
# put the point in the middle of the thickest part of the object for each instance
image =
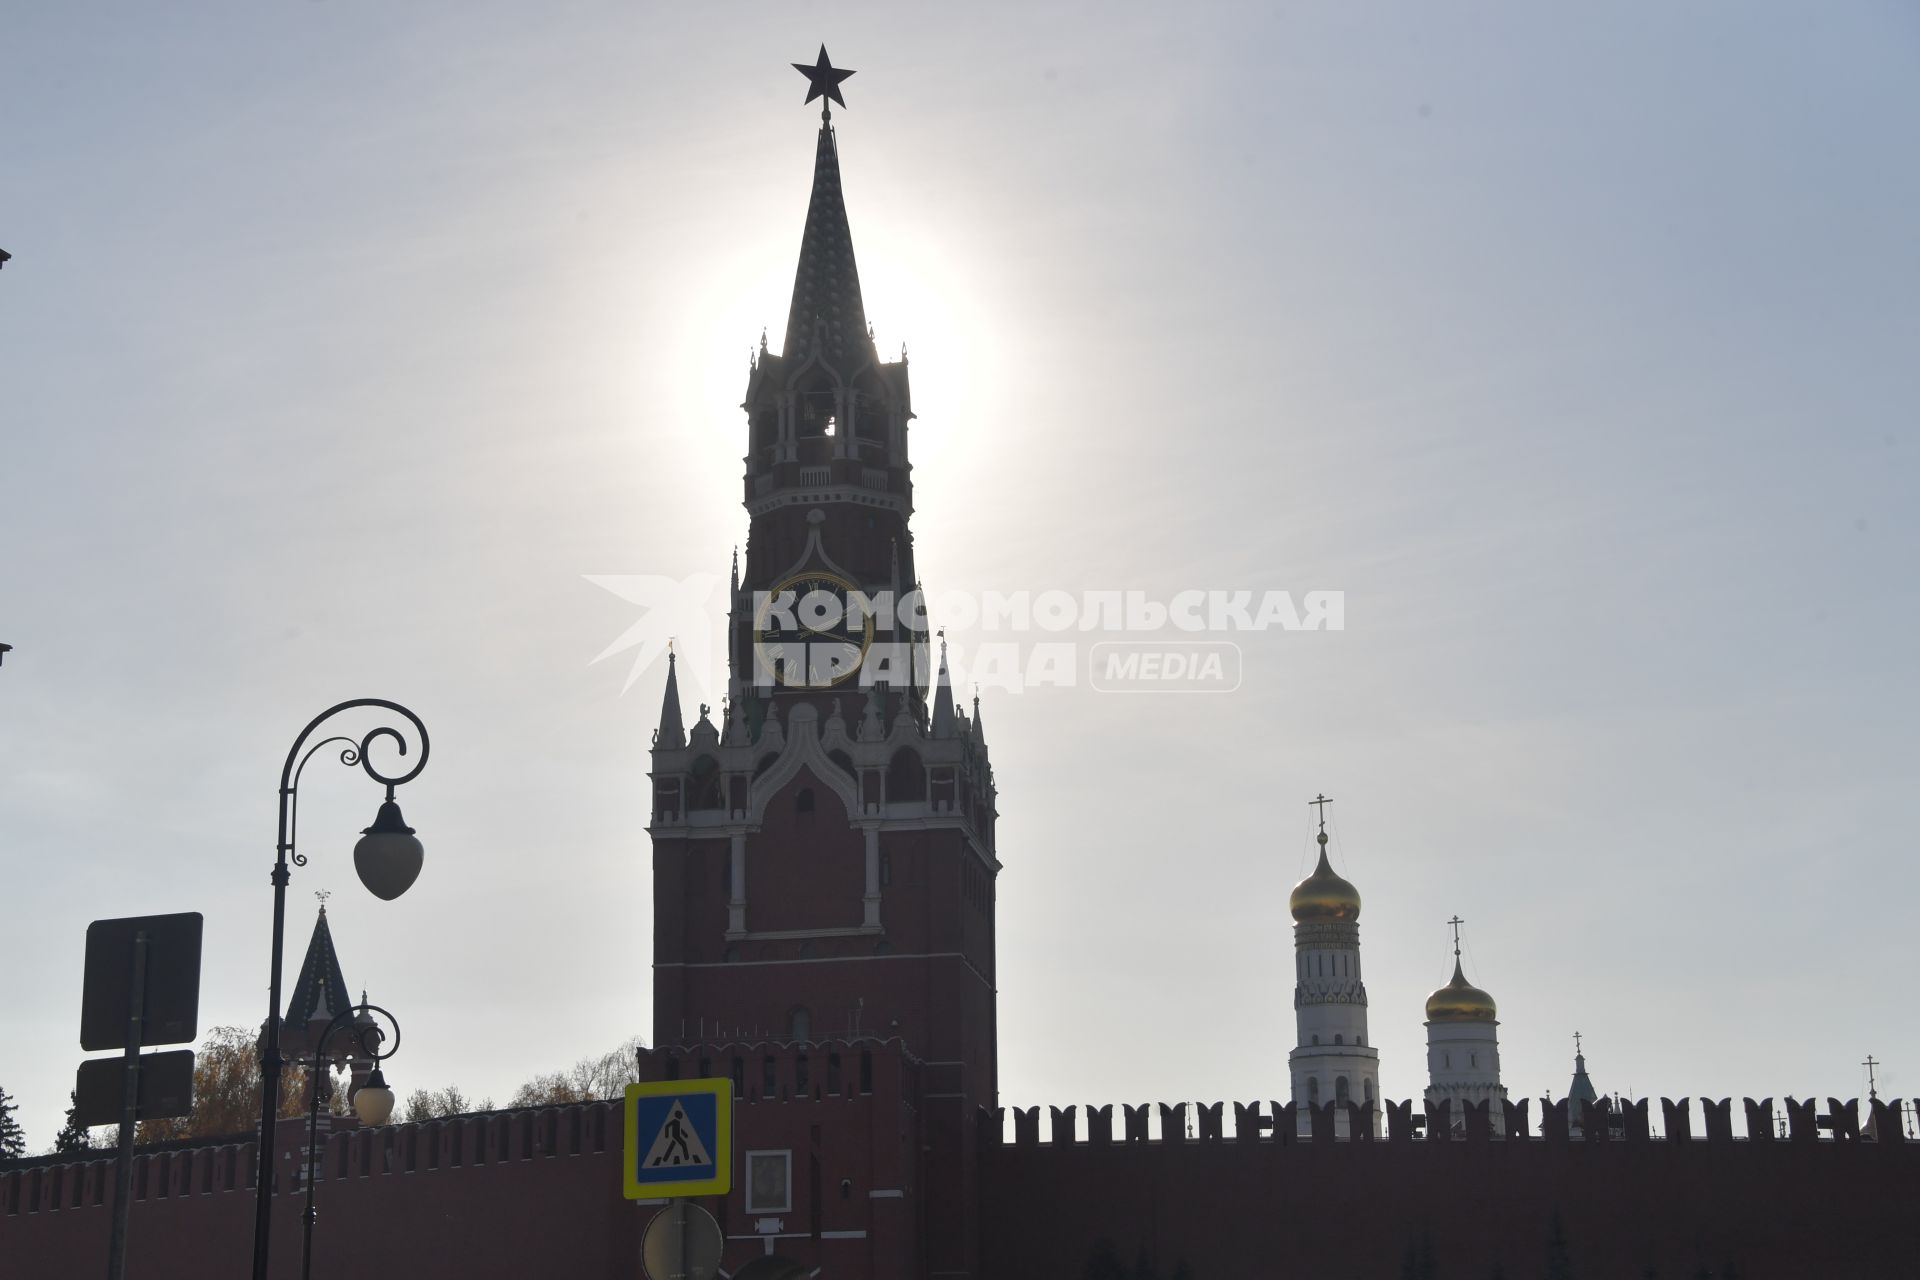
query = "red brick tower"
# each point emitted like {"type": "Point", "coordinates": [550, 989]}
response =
{"type": "Point", "coordinates": [823, 857]}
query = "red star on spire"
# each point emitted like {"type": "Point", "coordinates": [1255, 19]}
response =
{"type": "Point", "coordinates": [823, 79]}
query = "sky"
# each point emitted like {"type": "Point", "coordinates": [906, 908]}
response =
{"type": "Point", "coordinates": [344, 344]}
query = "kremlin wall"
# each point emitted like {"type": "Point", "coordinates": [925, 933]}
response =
{"type": "Point", "coordinates": [537, 1193]}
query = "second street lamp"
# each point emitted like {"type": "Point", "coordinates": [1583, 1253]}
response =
{"type": "Point", "coordinates": [372, 1101]}
{"type": "Point", "coordinates": [388, 858]}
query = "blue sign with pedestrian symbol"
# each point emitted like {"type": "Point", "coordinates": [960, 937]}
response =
{"type": "Point", "coordinates": [679, 1138]}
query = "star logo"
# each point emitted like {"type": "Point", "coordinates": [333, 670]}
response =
{"type": "Point", "coordinates": [823, 78]}
{"type": "Point", "coordinates": [671, 609]}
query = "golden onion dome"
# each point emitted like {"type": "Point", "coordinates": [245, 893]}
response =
{"type": "Point", "coordinates": [1460, 1001]}
{"type": "Point", "coordinates": [1324, 895]}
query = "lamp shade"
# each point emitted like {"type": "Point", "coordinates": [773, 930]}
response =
{"type": "Point", "coordinates": [374, 1101]}
{"type": "Point", "coordinates": [388, 856]}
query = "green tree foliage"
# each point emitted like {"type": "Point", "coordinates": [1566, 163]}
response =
{"type": "Point", "coordinates": [73, 1136]}
{"type": "Point", "coordinates": [13, 1142]}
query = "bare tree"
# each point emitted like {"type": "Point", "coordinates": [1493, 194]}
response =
{"type": "Point", "coordinates": [437, 1104]}
{"type": "Point", "coordinates": [592, 1078]}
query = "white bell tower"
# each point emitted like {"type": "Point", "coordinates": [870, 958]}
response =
{"type": "Point", "coordinates": [1463, 1047]}
{"type": "Point", "coordinates": [1333, 1062]}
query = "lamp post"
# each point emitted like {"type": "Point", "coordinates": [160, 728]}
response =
{"type": "Point", "coordinates": [388, 859]}
{"type": "Point", "coordinates": [373, 1102]}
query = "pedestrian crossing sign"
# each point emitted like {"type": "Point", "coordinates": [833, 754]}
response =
{"type": "Point", "coordinates": [679, 1138]}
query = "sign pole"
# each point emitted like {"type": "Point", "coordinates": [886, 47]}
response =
{"type": "Point", "coordinates": [130, 1102]}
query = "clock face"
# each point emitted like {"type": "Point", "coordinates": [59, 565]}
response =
{"type": "Point", "coordinates": [804, 634]}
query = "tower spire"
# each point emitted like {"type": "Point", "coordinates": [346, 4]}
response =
{"type": "Point", "coordinates": [671, 733]}
{"type": "Point", "coordinates": [321, 990]}
{"type": "Point", "coordinates": [943, 718]}
{"type": "Point", "coordinates": [827, 306]}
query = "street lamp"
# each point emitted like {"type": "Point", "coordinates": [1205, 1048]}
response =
{"type": "Point", "coordinates": [388, 858]}
{"type": "Point", "coordinates": [372, 1102]}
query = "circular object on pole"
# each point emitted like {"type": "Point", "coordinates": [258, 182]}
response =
{"type": "Point", "coordinates": [682, 1243]}
{"type": "Point", "coordinates": [373, 1101]}
{"type": "Point", "coordinates": [388, 856]}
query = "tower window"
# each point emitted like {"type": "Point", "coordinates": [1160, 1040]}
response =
{"type": "Point", "coordinates": [1338, 1038]}
{"type": "Point", "coordinates": [1316, 1039]}
{"type": "Point", "coordinates": [1313, 1091]}
{"type": "Point", "coordinates": [866, 1071]}
{"type": "Point", "coordinates": [800, 1024]}
{"type": "Point", "coordinates": [703, 784]}
{"type": "Point", "coordinates": [1341, 1093]}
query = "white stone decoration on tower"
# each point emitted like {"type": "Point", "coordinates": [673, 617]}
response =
{"type": "Point", "coordinates": [1463, 1049]}
{"type": "Point", "coordinates": [1333, 1061]}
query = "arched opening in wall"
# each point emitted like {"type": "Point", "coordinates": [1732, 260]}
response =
{"type": "Point", "coordinates": [1316, 1039]}
{"type": "Point", "coordinates": [803, 803]}
{"type": "Point", "coordinates": [866, 1071]}
{"type": "Point", "coordinates": [1367, 1087]}
{"type": "Point", "coordinates": [906, 777]}
{"type": "Point", "coordinates": [868, 399]}
{"type": "Point", "coordinates": [769, 1077]}
{"type": "Point", "coordinates": [703, 785]}
{"type": "Point", "coordinates": [1313, 1091]}
{"type": "Point", "coordinates": [833, 1073]}
{"type": "Point", "coordinates": [1338, 1038]}
{"type": "Point", "coordinates": [1341, 1093]}
{"type": "Point", "coordinates": [816, 415]}
{"type": "Point", "coordinates": [799, 1023]}
{"type": "Point", "coordinates": [764, 428]}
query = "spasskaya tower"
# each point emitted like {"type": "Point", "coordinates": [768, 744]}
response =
{"type": "Point", "coordinates": [823, 854]}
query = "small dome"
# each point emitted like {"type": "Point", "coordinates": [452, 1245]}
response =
{"type": "Point", "coordinates": [1324, 895]}
{"type": "Point", "coordinates": [1460, 1001]}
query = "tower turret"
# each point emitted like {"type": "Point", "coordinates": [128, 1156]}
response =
{"type": "Point", "coordinates": [1463, 1048]}
{"type": "Point", "coordinates": [823, 858]}
{"type": "Point", "coordinates": [1332, 1061]}
{"type": "Point", "coordinates": [1581, 1091]}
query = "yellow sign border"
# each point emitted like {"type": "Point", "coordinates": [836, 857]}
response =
{"type": "Point", "coordinates": [722, 1181]}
